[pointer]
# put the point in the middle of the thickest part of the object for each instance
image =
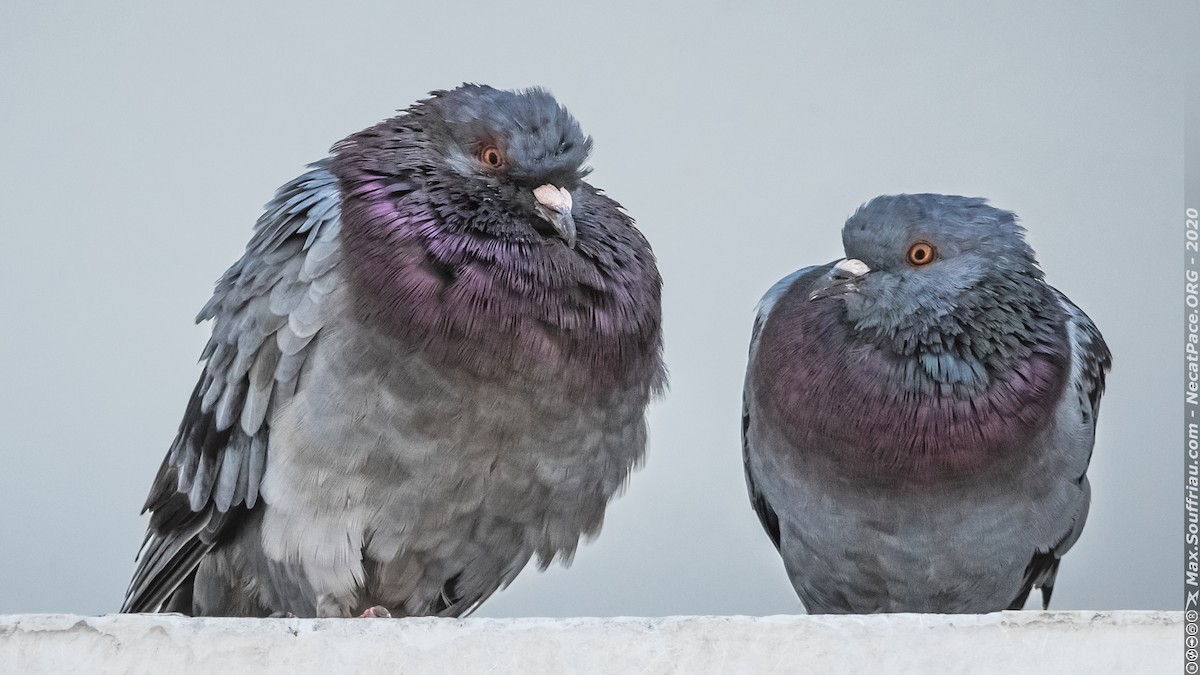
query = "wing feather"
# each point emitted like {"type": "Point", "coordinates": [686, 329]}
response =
{"type": "Point", "coordinates": [1090, 363]}
{"type": "Point", "coordinates": [211, 475]}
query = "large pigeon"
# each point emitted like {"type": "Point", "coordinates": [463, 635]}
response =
{"type": "Point", "coordinates": [919, 416]}
{"type": "Point", "coordinates": [431, 364]}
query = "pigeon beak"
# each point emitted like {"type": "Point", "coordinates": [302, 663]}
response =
{"type": "Point", "coordinates": [842, 279]}
{"type": "Point", "coordinates": [554, 206]}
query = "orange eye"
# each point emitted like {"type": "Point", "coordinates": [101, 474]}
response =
{"type": "Point", "coordinates": [921, 253]}
{"type": "Point", "coordinates": [491, 156]}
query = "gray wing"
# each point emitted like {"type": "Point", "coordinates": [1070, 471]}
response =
{"type": "Point", "coordinates": [265, 313]}
{"type": "Point", "coordinates": [1090, 361]}
{"type": "Point", "coordinates": [766, 514]}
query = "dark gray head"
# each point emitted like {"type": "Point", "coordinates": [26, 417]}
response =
{"type": "Point", "coordinates": [535, 139]}
{"type": "Point", "coordinates": [518, 152]}
{"type": "Point", "coordinates": [912, 259]}
{"type": "Point", "coordinates": [966, 233]}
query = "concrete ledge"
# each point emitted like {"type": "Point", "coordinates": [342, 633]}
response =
{"type": "Point", "coordinates": [1003, 643]}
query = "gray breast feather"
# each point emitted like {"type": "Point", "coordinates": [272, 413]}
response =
{"type": "Point", "coordinates": [424, 487]}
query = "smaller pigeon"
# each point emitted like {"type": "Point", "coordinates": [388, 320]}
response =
{"type": "Point", "coordinates": [918, 417]}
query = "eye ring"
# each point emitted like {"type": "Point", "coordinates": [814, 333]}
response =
{"type": "Point", "coordinates": [491, 156]}
{"type": "Point", "coordinates": [921, 253]}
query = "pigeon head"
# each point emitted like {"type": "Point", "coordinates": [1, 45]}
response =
{"type": "Point", "coordinates": [914, 261]}
{"type": "Point", "coordinates": [525, 137]}
{"type": "Point", "coordinates": [519, 152]}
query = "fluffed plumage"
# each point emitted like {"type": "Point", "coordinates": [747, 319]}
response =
{"type": "Point", "coordinates": [919, 417]}
{"type": "Point", "coordinates": [431, 364]}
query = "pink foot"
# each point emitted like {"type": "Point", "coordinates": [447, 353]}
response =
{"type": "Point", "coordinates": [376, 612]}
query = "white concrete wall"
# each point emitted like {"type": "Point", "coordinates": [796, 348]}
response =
{"type": "Point", "coordinates": [1007, 643]}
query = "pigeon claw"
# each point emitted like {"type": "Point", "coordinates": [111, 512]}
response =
{"type": "Point", "coordinates": [376, 612]}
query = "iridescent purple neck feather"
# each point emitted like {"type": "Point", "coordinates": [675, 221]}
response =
{"type": "Point", "coordinates": [884, 412]}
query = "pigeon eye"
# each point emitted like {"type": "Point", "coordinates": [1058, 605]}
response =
{"type": "Point", "coordinates": [921, 253]}
{"type": "Point", "coordinates": [491, 156]}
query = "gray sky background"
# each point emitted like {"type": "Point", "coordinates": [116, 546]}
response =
{"type": "Point", "coordinates": [139, 140]}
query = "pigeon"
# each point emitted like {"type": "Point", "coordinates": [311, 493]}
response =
{"type": "Point", "coordinates": [918, 417]}
{"type": "Point", "coordinates": [430, 366]}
